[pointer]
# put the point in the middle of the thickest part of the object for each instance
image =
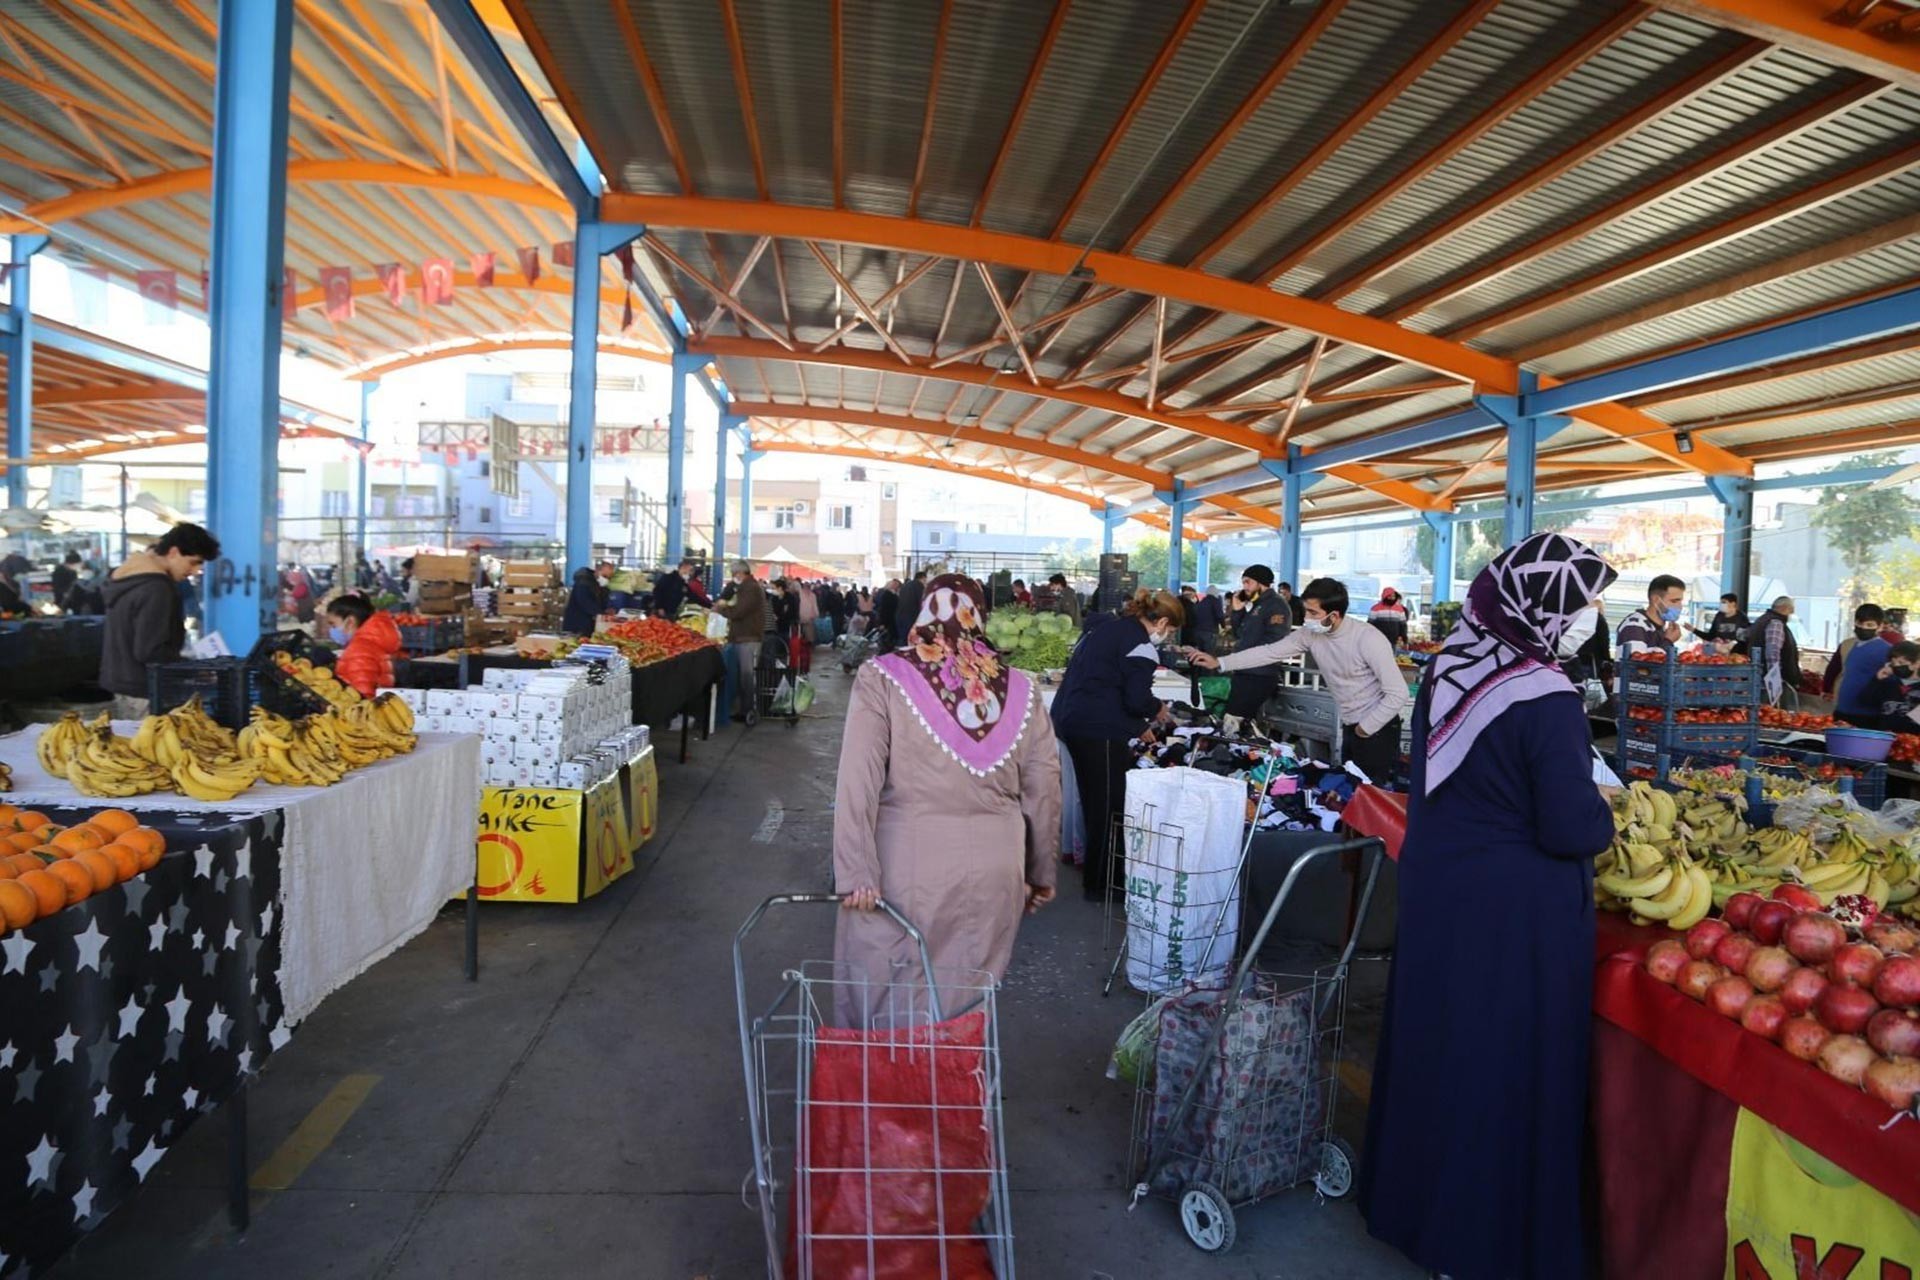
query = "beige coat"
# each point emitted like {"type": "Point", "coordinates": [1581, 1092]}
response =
{"type": "Point", "coordinates": [952, 851]}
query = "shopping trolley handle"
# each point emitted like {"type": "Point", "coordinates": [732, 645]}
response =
{"type": "Point", "coordinates": [780, 899]}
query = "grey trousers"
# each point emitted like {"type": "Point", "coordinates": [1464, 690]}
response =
{"type": "Point", "coordinates": [746, 670]}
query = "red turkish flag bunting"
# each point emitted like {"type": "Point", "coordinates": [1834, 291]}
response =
{"type": "Point", "coordinates": [6, 272]}
{"type": "Point", "coordinates": [563, 253]}
{"type": "Point", "coordinates": [481, 264]}
{"type": "Point", "coordinates": [393, 278]}
{"type": "Point", "coordinates": [289, 293]}
{"type": "Point", "coordinates": [337, 284]}
{"type": "Point", "coordinates": [436, 281]}
{"type": "Point", "coordinates": [626, 313]}
{"type": "Point", "coordinates": [161, 289]}
{"type": "Point", "coordinates": [529, 263]}
{"type": "Point", "coordinates": [625, 255]}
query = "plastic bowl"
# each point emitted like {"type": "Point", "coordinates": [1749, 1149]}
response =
{"type": "Point", "coordinates": [1869, 745]}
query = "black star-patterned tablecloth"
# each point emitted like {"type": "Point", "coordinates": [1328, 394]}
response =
{"type": "Point", "coordinates": [127, 1015]}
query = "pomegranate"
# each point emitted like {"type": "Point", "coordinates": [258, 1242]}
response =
{"type": "Point", "coordinates": [1898, 982]}
{"type": "Point", "coordinates": [1769, 920]}
{"type": "Point", "coordinates": [1846, 1058]}
{"type": "Point", "coordinates": [1894, 1081]}
{"type": "Point", "coordinates": [1813, 937]}
{"type": "Point", "coordinates": [1893, 937]}
{"type": "Point", "coordinates": [1768, 968]}
{"type": "Point", "coordinates": [1798, 896]}
{"type": "Point", "coordinates": [1697, 975]}
{"type": "Point", "coordinates": [1845, 1009]}
{"type": "Point", "coordinates": [1764, 1016]}
{"type": "Point", "coordinates": [1855, 964]}
{"type": "Point", "coordinates": [1738, 912]}
{"type": "Point", "coordinates": [1802, 1037]}
{"type": "Point", "coordinates": [1728, 997]}
{"type": "Point", "coordinates": [1666, 958]}
{"type": "Point", "coordinates": [1801, 989]}
{"type": "Point", "coordinates": [1895, 1031]}
{"type": "Point", "coordinates": [1704, 937]}
{"type": "Point", "coordinates": [1733, 951]}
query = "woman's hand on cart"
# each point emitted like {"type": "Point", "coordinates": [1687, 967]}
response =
{"type": "Point", "coordinates": [1038, 896]}
{"type": "Point", "coordinates": [862, 899]}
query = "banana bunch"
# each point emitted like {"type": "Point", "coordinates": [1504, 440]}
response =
{"type": "Point", "coordinates": [287, 752]}
{"type": "Point", "coordinates": [214, 781]}
{"type": "Point", "coordinates": [1644, 814]}
{"type": "Point", "coordinates": [185, 732]}
{"type": "Point", "coordinates": [107, 765]}
{"type": "Point", "coordinates": [397, 715]}
{"type": "Point", "coordinates": [367, 733]}
{"type": "Point", "coordinates": [62, 738]}
{"type": "Point", "coordinates": [318, 679]}
{"type": "Point", "coordinates": [1637, 877]}
{"type": "Point", "coordinates": [6, 777]}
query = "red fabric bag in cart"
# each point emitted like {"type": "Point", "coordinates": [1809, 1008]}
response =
{"type": "Point", "coordinates": [899, 1120]}
{"type": "Point", "coordinates": [799, 655]}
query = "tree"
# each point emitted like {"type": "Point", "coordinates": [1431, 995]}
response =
{"type": "Point", "coordinates": [1859, 520]}
{"type": "Point", "coordinates": [1148, 558]}
{"type": "Point", "coordinates": [1896, 579]}
{"type": "Point", "coordinates": [1477, 542]}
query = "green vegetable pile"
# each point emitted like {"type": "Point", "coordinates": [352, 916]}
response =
{"type": "Point", "coordinates": [1031, 641]}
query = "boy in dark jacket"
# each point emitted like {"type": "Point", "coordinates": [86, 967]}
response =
{"type": "Point", "coordinates": [145, 622]}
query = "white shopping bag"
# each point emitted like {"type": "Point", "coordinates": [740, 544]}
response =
{"type": "Point", "coordinates": [716, 627]}
{"type": "Point", "coordinates": [1182, 845]}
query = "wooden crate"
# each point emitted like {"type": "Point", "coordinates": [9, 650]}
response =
{"type": "Point", "coordinates": [454, 568]}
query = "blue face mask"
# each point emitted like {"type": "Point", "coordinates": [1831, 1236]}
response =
{"type": "Point", "coordinates": [1669, 614]}
{"type": "Point", "coordinates": [337, 634]}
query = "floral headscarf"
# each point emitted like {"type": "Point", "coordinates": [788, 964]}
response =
{"type": "Point", "coordinates": [955, 679]}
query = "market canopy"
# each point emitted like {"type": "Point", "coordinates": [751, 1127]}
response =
{"type": "Point", "coordinates": [1108, 247]}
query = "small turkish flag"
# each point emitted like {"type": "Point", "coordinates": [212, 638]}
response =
{"type": "Point", "coordinates": [626, 313]}
{"type": "Point", "coordinates": [563, 253]}
{"type": "Point", "coordinates": [436, 281]}
{"type": "Point", "coordinates": [625, 255]}
{"type": "Point", "coordinates": [289, 293]}
{"type": "Point", "coordinates": [481, 264]}
{"type": "Point", "coordinates": [393, 278]}
{"type": "Point", "coordinates": [6, 272]}
{"type": "Point", "coordinates": [161, 289]}
{"type": "Point", "coordinates": [529, 263]}
{"type": "Point", "coordinates": [337, 283]}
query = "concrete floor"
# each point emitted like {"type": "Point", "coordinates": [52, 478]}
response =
{"type": "Point", "coordinates": [579, 1111]}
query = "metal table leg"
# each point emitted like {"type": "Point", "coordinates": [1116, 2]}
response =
{"type": "Point", "coordinates": [238, 1211]}
{"type": "Point", "coordinates": [473, 932]}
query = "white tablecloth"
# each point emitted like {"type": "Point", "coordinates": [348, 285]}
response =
{"type": "Point", "coordinates": [366, 864]}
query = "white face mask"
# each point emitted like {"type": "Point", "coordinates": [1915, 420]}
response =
{"type": "Point", "coordinates": [1579, 631]}
{"type": "Point", "coordinates": [1318, 626]}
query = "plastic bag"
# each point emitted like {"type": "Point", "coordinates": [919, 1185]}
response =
{"type": "Point", "coordinates": [1213, 693]}
{"type": "Point", "coordinates": [1133, 1052]}
{"type": "Point", "coordinates": [716, 627]}
{"type": "Point", "coordinates": [899, 1121]}
{"type": "Point", "coordinates": [802, 696]}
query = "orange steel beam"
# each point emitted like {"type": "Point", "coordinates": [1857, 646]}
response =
{"type": "Point", "coordinates": [1378, 101]}
{"type": "Point", "coordinates": [117, 393]}
{"type": "Point", "coordinates": [1808, 408]}
{"type": "Point", "coordinates": [570, 102]}
{"type": "Point", "coordinates": [881, 304]}
{"type": "Point", "coordinates": [1838, 357]}
{"type": "Point", "coordinates": [199, 181]}
{"type": "Point", "coordinates": [1825, 444]}
{"type": "Point", "coordinates": [492, 346]}
{"type": "Point", "coordinates": [1880, 46]}
{"type": "Point", "coordinates": [1459, 139]}
{"type": "Point", "coordinates": [1491, 373]}
{"type": "Point", "coordinates": [1179, 356]}
{"type": "Point", "coordinates": [927, 113]}
{"type": "Point", "coordinates": [743, 87]}
{"type": "Point", "coordinates": [716, 292]}
{"type": "Point", "coordinates": [1141, 93]}
{"type": "Point", "coordinates": [1035, 70]}
{"type": "Point", "coordinates": [867, 313]}
{"type": "Point", "coordinates": [1282, 67]}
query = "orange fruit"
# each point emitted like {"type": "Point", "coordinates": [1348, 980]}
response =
{"type": "Point", "coordinates": [7, 870]}
{"type": "Point", "coordinates": [20, 841]}
{"type": "Point", "coordinates": [147, 840]}
{"type": "Point", "coordinates": [7, 815]}
{"type": "Point", "coordinates": [77, 879]}
{"type": "Point", "coordinates": [125, 858]}
{"type": "Point", "coordinates": [30, 819]}
{"type": "Point", "coordinates": [24, 862]}
{"type": "Point", "coordinates": [49, 894]}
{"type": "Point", "coordinates": [46, 831]}
{"type": "Point", "coordinates": [115, 822]}
{"type": "Point", "coordinates": [18, 905]}
{"type": "Point", "coordinates": [78, 839]}
{"type": "Point", "coordinates": [96, 864]}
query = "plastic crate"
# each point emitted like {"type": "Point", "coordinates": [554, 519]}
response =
{"type": "Point", "coordinates": [1669, 715]}
{"type": "Point", "coordinates": [1869, 781]}
{"type": "Point", "coordinates": [221, 684]}
{"type": "Point", "coordinates": [279, 693]}
{"type": "Point", "coordinates": [1688, 684]}
{"type": "Point", "coordinates": [1663, 748]}
{"type": "Point", "coordinates": [297, 643]}
{"type": "Point", "coordinates": [434, 637]}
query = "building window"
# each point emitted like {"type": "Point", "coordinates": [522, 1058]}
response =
{"type": "Point", "coordinates": [840, 517]}
{"type": "Point", "coordinates": [888, 492]}
{"type": "Point", "coordinates": [616, 510]}
{"type": "Point", "coordinates": [783, 517]}
{"type": "Point", "coordinates": [934, 537]}
{"type": "Point", "coordinates": [520, 507]}
{"type": "Point", "coordinates": [196, 502]}
{"type": "Point", "coordinates": [333, 502]}
{"type": "Point", "coordinates": [486, 515]}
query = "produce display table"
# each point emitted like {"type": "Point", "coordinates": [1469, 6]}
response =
{"type": "Point", "coordinates": [45, 656]}
{"type": "Point", "coordinates": [366, 864]}
{"type": "Point", "coordinates": [129, 1015]}
{"type": "Point", "coordinates": [1699, 1122]}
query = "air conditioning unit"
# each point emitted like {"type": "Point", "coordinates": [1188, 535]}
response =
{"type": "Point", "coordinates": [800, 508]}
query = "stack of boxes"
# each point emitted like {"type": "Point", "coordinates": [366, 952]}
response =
{"type": "Point", "coordinates": [446, 582]}
{"type": "Point", "coordinates": [1116, 584]}
{"type": "Point", "coordinates": [530, 596]}
{"type": "Point", "coordinates": [553, 727]}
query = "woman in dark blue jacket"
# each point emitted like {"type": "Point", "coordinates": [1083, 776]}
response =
{"type": "Point", "coordinates": [1105, 701]}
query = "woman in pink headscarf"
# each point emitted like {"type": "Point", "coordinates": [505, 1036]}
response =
{"type": "Point", "coordinates": [948, 802]}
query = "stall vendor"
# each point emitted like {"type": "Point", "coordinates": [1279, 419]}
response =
{"type": "Point", "coordinates": [1729, 626]}
{"type": "Point", "coordinates": [1656, 627]}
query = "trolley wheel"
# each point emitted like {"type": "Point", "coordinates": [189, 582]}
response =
{"type": "Point", "coordinates": [1207, 1217]}
{"type": "Point", "coordinates": [1335, 1179]}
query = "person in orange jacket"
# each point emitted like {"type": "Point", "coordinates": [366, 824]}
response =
{"type": "Point", "coordinates": [368, 639]}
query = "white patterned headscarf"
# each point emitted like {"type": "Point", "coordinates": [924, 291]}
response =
{"type": "Point", "coordinates": [1503, 650]}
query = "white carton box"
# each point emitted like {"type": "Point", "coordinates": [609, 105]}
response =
{"type": "Point", "coordinates": [431, 722]}
{"type": "Point", "coordinates": [548, 733]}
{"type": "Point", "coordinates": [522, 775]}
{"type": "Point", "coordinates": [499, 773]}
{"type": "Point", "coordinates": [546, 774]}
{"type": "Point", "coordinates": [465, 724]}
{"type": "Point", "coordinates": [574, 774]}
{"type": "Point", "coordinates": [440, 701]}
{"type": "Point", "coordinates": [527, 751]}
{"type": "Point", "coordinates": [414, 698]}
{"type": "Point", "coordinates": [546, 706]}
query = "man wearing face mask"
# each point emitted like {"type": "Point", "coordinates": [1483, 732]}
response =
{"type": "Point", "coordinates": [588, 599]}
{"type": "Point", "coordinates": [1656, 627]}
{"type": "Point", "coordinates": [1358, 665]}
{"type": "Point", "coordinates": [1771, 644]}
{"type": "Point", "coordinates": [367, 639]}
{"type": "Point", "coordinates": [1869, 622]}
{"type": "Point", "coordinates": [1864, 675]}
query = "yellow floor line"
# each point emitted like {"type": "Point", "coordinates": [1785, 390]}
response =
{"type": "Point", "coordinates": [313, 1135]}
{"type": "Point", "coordinates": [1358, 1079]}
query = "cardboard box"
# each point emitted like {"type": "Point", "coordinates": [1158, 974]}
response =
{"type": "Point", "coordinates": [447, 568]}
{"type": "Point", "coordinates": [566, 844]}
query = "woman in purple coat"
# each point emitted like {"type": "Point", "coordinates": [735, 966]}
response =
{"type": "Point", "coordinates": [1479, 1109]}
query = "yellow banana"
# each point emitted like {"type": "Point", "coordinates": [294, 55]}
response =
{"type": "Point", "coordinates": [1676, 898]}
{"type": "Point", "coordinates": [1698, 905]}
{"type": "Point", "coordinates": [1650, 885]}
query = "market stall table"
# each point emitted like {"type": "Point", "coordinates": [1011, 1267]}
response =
{"type": "Point", "coordinates": [130, 1014]}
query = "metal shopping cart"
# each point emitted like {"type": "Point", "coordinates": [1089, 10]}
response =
{"type": "Point", "coordinates": [777, 682]}
{"type": "Point", "coordinates": [1236, 1085]}
{"type": "Point", "coordinates": [882, 1097]}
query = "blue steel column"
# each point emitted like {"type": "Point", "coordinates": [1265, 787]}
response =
{"type": "Point", "coordinates": [1442, 526]}
{"type": "Point", "coordinates": [684, 367]}
{"type": "Point", "coordinates": [1203, 556]}
{"type": "Point", "coordinates": [748, 457]}
{"type": "Point", "coordinates": [582, 385]}
{"type": "Point", "coordinates": [366, 433]}
{"type": "Point", "coordinates": [243, 389]}
{"type": "Point", "coordinates": [18, 345]}
{"type": "Point", "coordinates": [729, 424]}
{"type": "Point", "coordinates": [1292, 486]}
{"type": "Point", "coordinates": [1106, 529]}
{"type": "Point", "coordinates": [1176, 540]}
{"type": "Point", "coordinates": [1523, 448]}
{"type": "Point", "coordinates": [1736, 543]}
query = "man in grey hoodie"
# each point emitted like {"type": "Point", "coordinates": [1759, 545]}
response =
{"type": "Point", "coordinates": [145, 622]}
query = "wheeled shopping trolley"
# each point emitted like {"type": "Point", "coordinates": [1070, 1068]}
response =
{"type": "Point", "coordinates": [873, 1101]}
{"type": "Point", "coordinates": [1236, 1084]}
{"type": "Point", "coordinates": [776, 683]}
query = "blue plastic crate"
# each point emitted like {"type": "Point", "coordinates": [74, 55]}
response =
{"type": "Point", "coordinates": [1663, 748]}
{"type": "Point", "coordinates": [1688, 684]}
{"type": "Point", "coordinates": [1869, 780]}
